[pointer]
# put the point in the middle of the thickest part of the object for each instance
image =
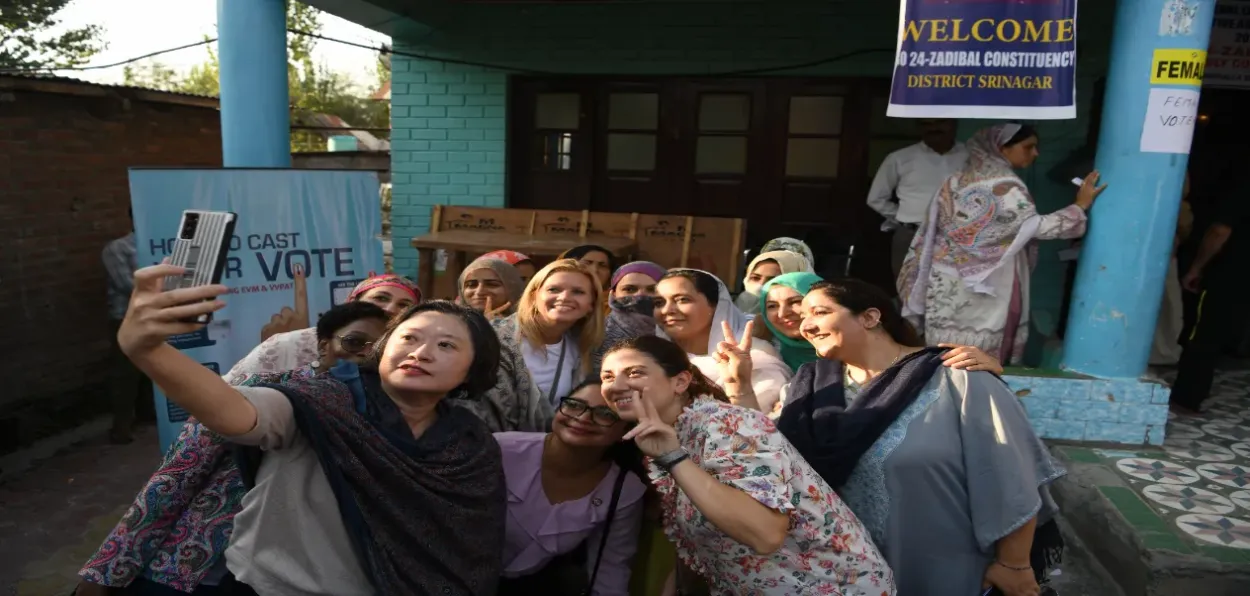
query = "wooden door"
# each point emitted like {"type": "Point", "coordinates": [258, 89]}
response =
{"type": "Point", "coordinates": [552, 144]}
{"type": "Point", "coordinates": [634, 137]}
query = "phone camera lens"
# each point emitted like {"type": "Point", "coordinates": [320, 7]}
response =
{"type": "Point", "coordinates": [189, 225]}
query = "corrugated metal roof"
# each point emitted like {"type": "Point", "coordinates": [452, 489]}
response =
{"type": "Point", "coordinates": [149, 94]}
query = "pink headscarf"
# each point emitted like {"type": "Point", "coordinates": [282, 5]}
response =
{"type": "Point", "coordinates": [510, 257]}
{"type": "Point", "coordinates": [386, 280]}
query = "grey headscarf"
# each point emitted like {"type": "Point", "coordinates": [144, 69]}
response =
{"type": "Point", "coordinates": [508, 275]}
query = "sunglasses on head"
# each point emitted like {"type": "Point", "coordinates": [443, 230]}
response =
{"type": "Point", "coordinates": [600, 415]}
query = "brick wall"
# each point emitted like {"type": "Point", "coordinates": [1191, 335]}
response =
{"type": "Point", "coordinates": [65, 194]}
{"type": "Point", "coordinates": [450, 139]}
{"type": "Point", "coordinates": [447, 145]}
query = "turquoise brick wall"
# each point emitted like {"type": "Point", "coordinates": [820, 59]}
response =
{"type": "Point", "coordinates": [450, 124]}
{"type": "Point", "coordinates": [447, 144]}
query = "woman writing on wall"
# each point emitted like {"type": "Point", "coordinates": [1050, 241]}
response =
{"type": "Point", "coordinates": [966, 277]}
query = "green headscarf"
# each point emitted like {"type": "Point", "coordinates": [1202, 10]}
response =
{"type": "Point", "coordinates": [794, 352]}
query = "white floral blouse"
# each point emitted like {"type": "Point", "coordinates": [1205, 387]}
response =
{"type": "Point", "coordinates": [828, 551]}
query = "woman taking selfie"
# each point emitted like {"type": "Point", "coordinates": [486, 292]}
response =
{"type": "Point", "coordinates": [361, 466]}
{"type": "Point", "coordinates": [744, 510]}
{"type": "Point", "coordinates": [694, 310]}
{"type": "Point", "coordinates": [574, 502]}
{"type": "Point", "coordinates": [173, 538]}
{"type": "Point", "coordinates": [933, 459]}
{"type": "Point", "coordinates": [548, 343]}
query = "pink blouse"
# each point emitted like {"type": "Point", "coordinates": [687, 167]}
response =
{"type": "Point", "coordinates": [538, 531]}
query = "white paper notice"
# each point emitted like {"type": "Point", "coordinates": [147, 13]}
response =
{"type": "Point", "coordinates": [1170, 118]}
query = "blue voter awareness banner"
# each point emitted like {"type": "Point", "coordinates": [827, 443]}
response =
{"type": "Point", "coordinates": [989, 59]}
{"type": "Point", "coordinates": [303, 239]}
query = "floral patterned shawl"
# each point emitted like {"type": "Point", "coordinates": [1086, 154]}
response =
{"type": "Point", "coordinates": [180, 523]}
{"type": "Point", "coordinates": [966, 226]}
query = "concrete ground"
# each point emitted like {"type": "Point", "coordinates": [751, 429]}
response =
{"type": "Point", "coordinates": [54, 516]}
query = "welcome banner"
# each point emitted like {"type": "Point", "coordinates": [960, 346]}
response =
{"type": "Point", "coordinates": [988, 59]}
{"type": "Point", "coordinates": [303, 240]}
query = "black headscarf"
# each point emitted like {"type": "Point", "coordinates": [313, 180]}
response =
{"type": "Point", "coordinates": [832, 435]}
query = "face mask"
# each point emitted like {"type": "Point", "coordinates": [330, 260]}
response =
{"type": "Point", "coordinates": [638, 304]}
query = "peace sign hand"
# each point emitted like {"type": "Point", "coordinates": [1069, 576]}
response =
{"type": "Point", "coordinates": [494, 313]}
{"type": "Point", "coordinates": [154, 314]}
{"type": "Point", "coordinates": [291, 318]}
{"type": "Point", "coordinates": [734, 356]}
{"type": "Point", "coordinates": [653, 436]}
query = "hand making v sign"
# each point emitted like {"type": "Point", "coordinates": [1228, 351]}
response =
{"type": "Point", "coordinates": [494, 313]}
{"type": "Point", "coordinates": [291, 319]}
{"type": "Point", "coordinates": [653, 437]}
{"type": "Point", "coordinates": [734, 359]}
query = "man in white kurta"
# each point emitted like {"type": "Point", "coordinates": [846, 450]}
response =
{"type": "Point", "coordinates": [908, 179]}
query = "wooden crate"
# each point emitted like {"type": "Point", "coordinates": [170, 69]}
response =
{"type": "Point", "coordinates": [714, 244]}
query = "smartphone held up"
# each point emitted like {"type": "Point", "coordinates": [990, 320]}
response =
{"type": "Point", "coordinates": [200, 248]}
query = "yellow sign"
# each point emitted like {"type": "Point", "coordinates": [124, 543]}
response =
{"type": "Point", "coordinates": [1178, 67]}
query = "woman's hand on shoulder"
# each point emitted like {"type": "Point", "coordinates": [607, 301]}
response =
{"type": "Point", "coordinates": [970, 358]}
{"type": "Point", "coordinates": [154, 314]}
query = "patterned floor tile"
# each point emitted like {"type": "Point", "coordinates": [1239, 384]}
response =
{"type": "Point", "coordinates": [1216, 529]}
{"type": "Point", "coordinates": [1188, 499]}
{"type": "Point", "coordinates": [1228, 430]}
{"type": "Point", "coordinates": [1198, 450]}
{"type": "Point", "coordinates": [1181, 430]}
{"type": "Point", "coordinates": [1234, 475]}
{"type": "Point", "coordinates": [1241, 449]}
{"type": "Point", "coordinates": [1241, 498]}
{"type": "Point", "coordinates": [1156, 470]}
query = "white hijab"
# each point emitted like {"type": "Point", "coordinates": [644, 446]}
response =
{"type": "Point", "coordinates": [726, 310]}
{"type": "Point", "coordinates": [768, 372]}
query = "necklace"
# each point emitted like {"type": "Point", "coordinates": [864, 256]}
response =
{"type": "Point", "coordinates": [852, 384]}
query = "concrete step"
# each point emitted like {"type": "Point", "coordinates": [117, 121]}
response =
{"type": "Point", "coordinates": [1140, 547]}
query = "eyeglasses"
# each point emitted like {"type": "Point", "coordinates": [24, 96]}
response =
{"type": "Point", "coordinates": [354, 343]}
{"type": "Point", "coordinates": [600, 415]}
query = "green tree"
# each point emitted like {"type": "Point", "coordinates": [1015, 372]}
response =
{"type": "Point", "coordinates": [314, 88]}
{"type": "Point", "coordinates": [27, 40]}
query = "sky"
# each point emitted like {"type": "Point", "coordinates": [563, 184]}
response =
{"type": "Point", "coordinates": [137, 27]}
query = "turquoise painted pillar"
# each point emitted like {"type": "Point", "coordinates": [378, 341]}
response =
{"type": "Point", "coordinates": [1158, 50]}
{"type": "Point", "coordinates": [255, 101]}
